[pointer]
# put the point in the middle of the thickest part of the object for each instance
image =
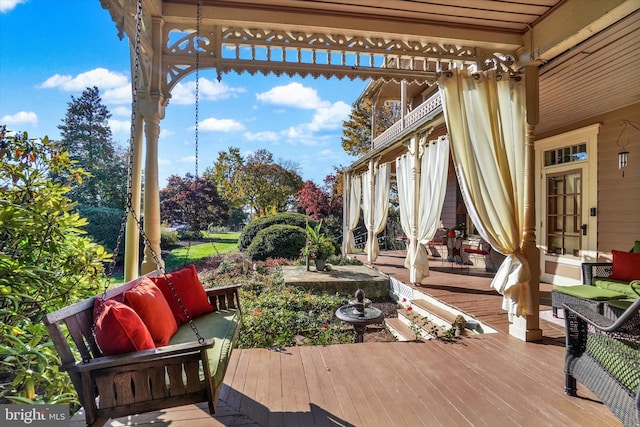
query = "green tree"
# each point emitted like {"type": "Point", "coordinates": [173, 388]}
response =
{"type": "Point", "coordinates": [357, 139]}
{"type": "Point", "coordinates": [46, 263]}
{"type": "Point", "coordinates": [266, 186]}
{"type": "Point", "coordinates": [224, 174]}
{"type": "Point", "coordinates": [86, 136]}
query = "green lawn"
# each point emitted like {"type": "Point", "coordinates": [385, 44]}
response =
{"type": "Point", "coordinates": [220, 244]}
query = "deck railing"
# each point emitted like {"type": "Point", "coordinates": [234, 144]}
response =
{"type": "Point", "coordinates": [410, 119]}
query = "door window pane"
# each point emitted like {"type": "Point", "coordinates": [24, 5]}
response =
{"type": "Point", "coordinates": [564, 220]}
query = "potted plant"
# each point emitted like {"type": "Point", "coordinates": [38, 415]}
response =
{"type": "Point", "coordinates": [318, 247]}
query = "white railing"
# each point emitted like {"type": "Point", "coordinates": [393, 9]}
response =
{"type": "Point", "coordinates": [410, 119]}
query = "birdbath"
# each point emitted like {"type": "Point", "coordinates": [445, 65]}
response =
{"type": "Point", "coordinates": [359, 314]}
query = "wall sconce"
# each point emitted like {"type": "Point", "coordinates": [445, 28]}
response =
{"type": "Point", "coordinates": [623, 156]}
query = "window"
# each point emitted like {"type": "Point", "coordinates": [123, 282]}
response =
{"type": "Point", "coordinates": [558, 156]}
{"type": "Point", "coordinates": [564, 205]}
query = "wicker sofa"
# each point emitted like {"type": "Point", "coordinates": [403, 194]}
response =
{"type": "Point", "coordinates": [616, 282]}
{"type": "Point", "coordinates": [604, 356]}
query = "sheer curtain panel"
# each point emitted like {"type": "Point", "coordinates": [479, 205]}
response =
{"type": "Point", "coordinates": [485, 117]}
{"type": "Point", "coordinates": [375, 206]}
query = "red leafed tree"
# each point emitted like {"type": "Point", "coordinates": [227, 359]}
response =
{"type": "Point", "coordinates": [194, 203]}
{"type": "Point", "coordinates": [321, 202]}
{"type": "Point", "coordinates": [314, 200]}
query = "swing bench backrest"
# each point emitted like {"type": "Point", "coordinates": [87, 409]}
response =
{"type": "Point", "coordinates": [183, 372]}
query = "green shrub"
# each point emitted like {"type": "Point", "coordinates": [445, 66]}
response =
{"type": "Point", "coordinates": [168, 237]}
{"type": "Point", "coordinates": [46, 263]}
{"type": "Point", "coordinates": [104, 224]}
{"type": "Point", "coordinates": [281, 316]}
{"type": "Point", "coordinates": [277, 241]}
{"type": "Point", "coordinates": [289, 218]}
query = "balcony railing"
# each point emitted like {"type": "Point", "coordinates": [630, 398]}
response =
{"type": "Point", "coordinates": [410, 119]}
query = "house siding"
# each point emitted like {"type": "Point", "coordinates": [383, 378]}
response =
{"type": "Point", "coordinates": [618, 205]}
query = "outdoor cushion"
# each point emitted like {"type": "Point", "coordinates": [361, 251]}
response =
{"type": "Point", "coordinates": [589, 292]}
{"type": "Point", "coordinates": [189, 289]}
{"type": "Point", "coordinates": [622, 304]}
{"type": "Point", "coordinates": [626, 266]}
{"type": "Point", "coordinates": [220, 325]}
{"type": "Point", "coordinates": [615, 285]}
{"type": "Point", "coordinates": [147, 300]}
{"type": "Point", "coordinates": [119, 329]}
{"type": "Point", "coordinates": [618, 357]}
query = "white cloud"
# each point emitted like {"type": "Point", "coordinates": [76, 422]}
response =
{"type": "Point", "coordinates": [264, 136]}
{"type": "Point", "coordinates": [220, 125]}
{"type": "Point", "coordinates": [118, 95]}
{"type": "Point", "coordinates": [330, 117]}
{"type": "Point", "coordinates": [292, 95]}
{"type": "Point", "coordinates": [20, 118]}
{"type": "Point", "coordinates": [121, 111]}
{"type": "Point", "coordinates": [163, 162]}
{"type": "Point", "coordinates": [100, 77]}
{"type": "Point", "coordinates": [185, 93]}
{"type": "Point", "coordinates": [166, 133]}
{"type": "Point", "coordinates": [9, 5]}
{"type": "Point", "coordinates": [118, 126]}
{"type": "Point", "coordinates": [188, 159]}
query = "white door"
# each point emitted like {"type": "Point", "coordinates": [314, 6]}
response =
{"type": "Point", "coordinates": [566, 204]}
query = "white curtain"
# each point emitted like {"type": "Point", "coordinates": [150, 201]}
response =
{"type": "Point", "coordinates": [434, 166]}
{"type": "Point", "coordinates": [375, 206]}
{"type": "Point", "coordinates": [355, 192]}
{"type": "Point", "coordinates": [485, 116]}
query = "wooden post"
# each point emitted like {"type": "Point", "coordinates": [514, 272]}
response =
{"type": "Point", "coordinates": [527, 328]}
{"type": "Point", "coordinates": [132, 238]}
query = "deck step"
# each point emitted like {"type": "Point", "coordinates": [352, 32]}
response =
{"type": "Point", "coordinates": [447, 317]}
{"type": "Point", "coordinates": [399, 329]}
{"type": "Point", "coordinates": [429, 324]}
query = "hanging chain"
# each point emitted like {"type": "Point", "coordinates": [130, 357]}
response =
{"type": "Point", "coordinates": [129, 207]}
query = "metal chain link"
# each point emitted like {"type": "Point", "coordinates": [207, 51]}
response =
{"type": "Point", "coordinates": [129, 207]}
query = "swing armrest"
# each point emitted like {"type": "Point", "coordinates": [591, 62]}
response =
{"type": "Point", "coordinates": [144, 356]}
{"type": "Point", "coordinates": [224, 297]}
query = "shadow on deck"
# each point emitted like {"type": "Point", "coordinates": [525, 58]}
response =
{"type": "Point", "coordinates": [482, 380]}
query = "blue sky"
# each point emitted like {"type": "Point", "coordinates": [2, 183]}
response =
{"type": "Point", "coordinates": [51, 50]}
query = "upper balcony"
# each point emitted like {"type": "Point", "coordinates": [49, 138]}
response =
{"type": "Point", "coordinates": [424, 112]}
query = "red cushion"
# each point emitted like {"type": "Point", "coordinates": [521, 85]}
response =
{"type": "Point", "coordinates": [190, 290]}
{"type": "Point", "coordinates": [147, 300]}
{"type": "Point", "coordinates": [626, 266]}
{"type": "Point", "coordinates": [119, 329]}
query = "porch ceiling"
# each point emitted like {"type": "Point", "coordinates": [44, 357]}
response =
{"type": "Point", "coordinates": [588, 51]}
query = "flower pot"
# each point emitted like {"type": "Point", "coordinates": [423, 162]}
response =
{"type": "Point", "coordinates": [321, 263]}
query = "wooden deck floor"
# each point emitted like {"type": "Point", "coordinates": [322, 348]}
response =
{"type": "Point", "coordinates": [485, 380]}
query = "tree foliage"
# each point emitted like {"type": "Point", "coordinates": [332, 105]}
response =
{"type": "Point", "coordinates": [86, 136]}
{"type": "Point", "coordinates": [258, 182]}
{"type": "Point", "coordinates": [46, 263]}
{"type": "Point", "coordinates": [193, 201]}
{"type": "Point", "coordinates": [321, 202]}
{"type": "Point", "coordinates": [357, 139]}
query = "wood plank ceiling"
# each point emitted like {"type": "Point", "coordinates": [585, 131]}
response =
{"type": "Point", "coordinates": [577, 81]}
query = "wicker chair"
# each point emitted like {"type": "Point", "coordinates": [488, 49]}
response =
{"type": "Point", "coordinates": [604, 356]}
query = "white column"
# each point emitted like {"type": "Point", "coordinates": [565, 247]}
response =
{"type": "Point", "coordinates": [403, 103]}
{"type": "Point", "coordinates": [151, 191]}
{"type": "Point", "coordinates": [372, 188]}
{"type": "Point", "coordinates": [527, 328]}
{"type": "Point", "coordinates": [346, 194]}
{"type": "Point", "coordinates": [417, 171]}
{"type": "Point", "coordinates": [132, 239]}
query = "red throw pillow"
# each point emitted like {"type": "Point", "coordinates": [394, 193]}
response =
{"type": "Point", "coordinates": [191, 292]}
{"type": "Point", "coordinates": [119, 329]}
{"type": "Point", "coordinates": [626, 266]}
{"type": "Point", "coordinates": [147, 300]}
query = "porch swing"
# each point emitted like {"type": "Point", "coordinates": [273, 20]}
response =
{"type": "Point", "coordinates": [158, 341]}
